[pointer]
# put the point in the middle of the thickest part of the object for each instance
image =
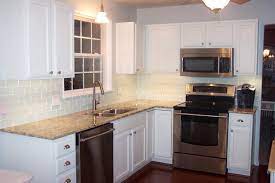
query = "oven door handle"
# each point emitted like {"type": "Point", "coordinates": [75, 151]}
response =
{"type": "Point", "coordinates": [200, 115]}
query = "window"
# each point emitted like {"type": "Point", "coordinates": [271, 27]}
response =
{"type": "Point", "coordinates": [87, 56]}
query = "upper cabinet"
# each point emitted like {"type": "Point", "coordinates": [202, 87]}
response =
{"type": "Point", "coordinates": [213, 34]}
{"type": "Point", "coordinates": [126, 48]}
{"type": "Point", "coordinates": [162, 48]}
{"type": "Point", "coordinates": [40, 33]}
{"type": "Point", "coordinates": [245, 47]}
{"type": "Point", "coordinates": [219, 34]}
{"type": "Point", "coordinates": [193, 35]}
{"type": "Point", "coordinates": [129, 50]}
{"type": "Point", "coordinates": [63, 40]}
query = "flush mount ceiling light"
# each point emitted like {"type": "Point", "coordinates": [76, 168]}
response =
{"type": "Point", "coordinates": [216, 5]}
{"type": "Point", "coordinates": [101, 16]}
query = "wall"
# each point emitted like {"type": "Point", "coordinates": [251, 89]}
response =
{"type": "Point", "coordinates": [27, 101]}
{"type": "Point", "coordinates": [172, 86]}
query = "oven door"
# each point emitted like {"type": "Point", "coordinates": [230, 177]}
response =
{"type": "Point", "coordinates": [200, 134]}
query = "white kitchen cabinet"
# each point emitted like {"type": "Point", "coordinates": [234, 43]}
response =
{"type": "Point", "coordinates": [219, 34]}
{"type": "Point", "coordinates": [28, 40]}
{"type": "Point", "coordinates": [63, 40]}
{"type": "Point", "coordinates": [129, 145]}
{"type": "Point", "coordinates": [48, 161]}
{"type": "Point", "coordinates": [193, 35]}
{"type": "Point", "coordinates": [240, 143]}
{"type": "Point", "coordinates": [245, 47]}
{"type": "Point", "coordinates": [163, 136]}
{"type": "Point", "coordinates": [39, 40]}
{"type": "Point", "coordinates": [150, 134]}
{"type": "Point", "coordinates": [207, 35]}
{"type": "Point", "coordinates": [122, 152]}
{"type": "Point", "coordinates": [162, 48]}
{"type": "Point", "coordinates": [139, 146]}
{"type": "Point", "coordinates": [126, 48]}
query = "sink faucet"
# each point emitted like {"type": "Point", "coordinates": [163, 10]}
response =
{"type": "Point", "coordinates": [95, 102]}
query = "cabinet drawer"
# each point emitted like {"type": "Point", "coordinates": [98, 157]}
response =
{"type": "Point", "coordinates": [240, 119]}
{"type": "Point", "coordinates": [65, 146]}
{"type": "Point", "coordinates": [67, 177]}
{"type": "Point", "coordinates": [65, 163]}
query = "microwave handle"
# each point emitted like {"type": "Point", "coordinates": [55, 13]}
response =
{"type": "Point", "coordinates": [181, 64]}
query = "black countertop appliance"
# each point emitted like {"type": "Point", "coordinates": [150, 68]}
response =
{"type": "Point", "coordinates": [245, 96]}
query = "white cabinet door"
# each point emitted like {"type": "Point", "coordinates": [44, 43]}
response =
{"type": "Point", "coordinates": [219, 34]}
{"type": "Point", "coordinates": [163, 135]}
{"type": "Point", "coordinates": [239, 148]}
{"type": "Point", "coordinates": [122, 158]}
{"type": "Point", "coordinates": [193, 35]}
{"type": "Point", "coordinates": [139, 147]}
{"type": "Point", "coordinates": [246, 35]}
{"type": "Point", "coordinates": [150, 134]}
{"type": "Point", "coordinates": [162, 48]}
{"type": "Point", "coordinates": [39, 39]}
{"type": "Point", "coordinates": [126, 48]}
{"type": "Point", "coordinates": [63, 40]}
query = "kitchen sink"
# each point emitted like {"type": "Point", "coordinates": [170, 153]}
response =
{"type": "Point", "coordinates": [113, 112]}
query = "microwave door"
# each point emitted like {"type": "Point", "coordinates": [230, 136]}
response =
{"type": "Point", "coordinates": [199, 66]}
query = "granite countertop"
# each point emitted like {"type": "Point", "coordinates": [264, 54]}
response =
{"type": "Point", "coordinates": [271, 163]}
{"type": "Point", "coordinates": [242, 111]}
{"type": "Point", "coordinates": [65, 125]}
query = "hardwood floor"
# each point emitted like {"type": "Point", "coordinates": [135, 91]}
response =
{"type": "Point", "coordinates": [160, 173]}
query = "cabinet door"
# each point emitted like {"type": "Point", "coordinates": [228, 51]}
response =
{"type": "Point", "coordinates": [239, 149]}
{"type": "Point", "coordinates": [150, 134]}
{"type": "Point", "coordinates": [125, 48]}
{"type": "Point", "coordinates": [39, 39]}
{"type": "Point", "coordinates": [219, 34]}
{"type": "Point", "coordinates": [246, 35]}
{"type": "Point", "coordinates": [163, 134]}
{"type": "Point", "coordinates": [122, 158]}
{"type": "Point", "coordinates": [63, 40]}
{"type": "Point", "coordinates": [193, 35]}
{"type": "Point", "coordinates": [163, 48]}
{"type": "Point", "coordinates": [139, 148]}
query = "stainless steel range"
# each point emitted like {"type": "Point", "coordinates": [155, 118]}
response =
{"type": "Point", "coordinates": [200, 128]}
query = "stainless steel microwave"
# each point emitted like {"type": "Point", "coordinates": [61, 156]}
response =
{"type": "Point", "coordinates": [207, 62]}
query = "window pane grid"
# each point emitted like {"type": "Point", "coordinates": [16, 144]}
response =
{"type": "Point", "coordinates": [88, 58]}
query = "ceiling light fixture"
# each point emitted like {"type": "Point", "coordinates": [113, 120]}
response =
{"type": "Point", "coordinates": [101, 16]}
{"type": "Point", "coordinates": [216, 5]}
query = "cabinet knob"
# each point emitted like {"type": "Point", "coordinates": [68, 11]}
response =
{"type": "Point", "coordinates": [67, 163]}
{"type": "Point", "coordinates": [231, 131]}
{"type": "Point", "coordinates": [68, 181]}
{"type": "Point", "coordinates": [240, 121]}
{"type": "Point", "coordinates": [135, 132]}
{"type": "Point", "coordinates": [202, 44]}
{"type": "Point", "coordinates": [51, 72]}
{"type": "Point", "coordinates": [130, 134]}
{"type": "Point", "coordinates": [59, 72]}
{"type": "Point", "coordinates": [210, 44]}
{"type": "Point", "coordinates": [177, 70]}
{"type": "Point", "coordinates": [138, 70]}
{"type": "Point", "coordinates": [237, 70]}
{"type": "Point", "coordinates": [67, 147]}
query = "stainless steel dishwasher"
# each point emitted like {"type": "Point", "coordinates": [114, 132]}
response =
{"type": "Point", "coordinates": [95, 155]}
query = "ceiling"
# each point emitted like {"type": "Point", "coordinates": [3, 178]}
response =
{"type": "Point", "coordinates": [151, 3]}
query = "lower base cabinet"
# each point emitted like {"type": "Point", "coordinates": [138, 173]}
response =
{"type": "Point", "coordinates": [129, 146]}
{"type": "Point", "coordinates": [141, 138]}
{"type": "Point", "coordinates": [239, 153]}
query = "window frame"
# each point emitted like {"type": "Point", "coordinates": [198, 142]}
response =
{"type": "Point", "coordinates": [105, 57]}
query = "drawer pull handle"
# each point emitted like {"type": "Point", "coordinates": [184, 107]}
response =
{"type": "Point", "coordinates": [68, 181]}
{"type": "Point", "coordinates": [67, 147]}
{"type": "Point", "coordinates": [240, 121]}
{"type": "Point", "coordinates": [67, 163]}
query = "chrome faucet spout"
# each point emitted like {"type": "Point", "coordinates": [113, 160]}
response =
{"type": "Point", "coordinates": [95, 102]}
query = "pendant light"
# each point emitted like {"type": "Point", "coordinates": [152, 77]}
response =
{"type": "Point", "coordinates": [101, 16]}
{"type": "Point", "coordinates": [216, 5]}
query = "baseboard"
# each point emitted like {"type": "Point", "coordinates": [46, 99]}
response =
{"type": "Point", "coordinates": [163, 160]}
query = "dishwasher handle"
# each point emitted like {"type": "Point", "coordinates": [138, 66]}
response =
{"type": "Point", "coordinates": [95, 136]}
